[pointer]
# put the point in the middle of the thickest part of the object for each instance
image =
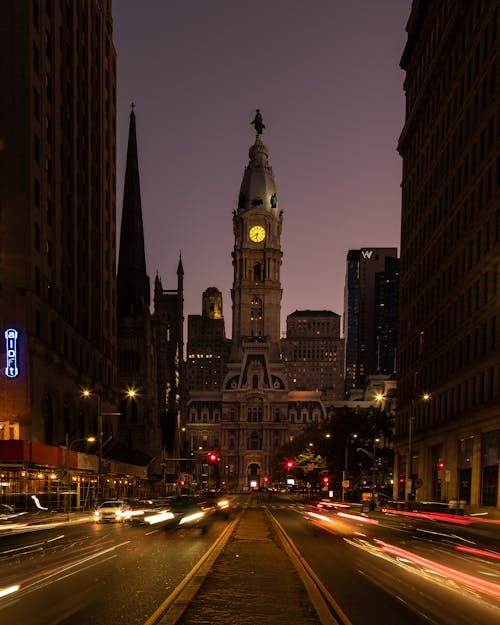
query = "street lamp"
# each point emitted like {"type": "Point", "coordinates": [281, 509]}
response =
{"type": "Point", "coordinates": [67, 476]}
{"type": "Point", "coordinates": [350, 438]}
{"type": "Point", "coordinates": [87, 393]}
{"type": "Point", "coordinates": [410, 482]}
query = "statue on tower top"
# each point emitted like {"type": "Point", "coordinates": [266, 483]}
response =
{"type": "Point", "coordinates": [257, 122]}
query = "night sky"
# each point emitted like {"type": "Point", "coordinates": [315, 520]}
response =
{"type": "Point", "coordinates": [326, 76]}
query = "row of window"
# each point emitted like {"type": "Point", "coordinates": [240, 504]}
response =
{"type": "Point", "coordinates": [67, 344]}
{"type": "Point", "coordinates": [450, 278]}
{"type": "Point", "coordinates": [256, 415]}
{"type": "Point", "coordinates": [466, 395]}
{"type": "Point", "coordinates": [478, 342]}
{"type": "Point", "coordinates": [468, 39]}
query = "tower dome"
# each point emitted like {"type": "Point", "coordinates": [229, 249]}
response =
{"type": "Point", "coordinates": [258, 188]}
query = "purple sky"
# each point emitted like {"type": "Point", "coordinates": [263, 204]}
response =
{"type": "Point", "coordinates": [326, 76]}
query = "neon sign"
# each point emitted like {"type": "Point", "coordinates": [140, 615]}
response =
{"type": "Point", "coordinates": [11, 370]}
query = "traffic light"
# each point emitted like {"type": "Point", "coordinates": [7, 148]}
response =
{"type": "Point", "coordinates": [440, 465]}
{"type": "Point", "coordinates": [213, 457]}
{"type": "Point", "coordinates": [289, 464]}
{"type": "Point", "coordinates": [326, 480]}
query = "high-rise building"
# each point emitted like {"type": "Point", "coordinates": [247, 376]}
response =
{"type": "Point", "coordinates": [57, 218]}
{"type": "Point", "coordinates": [313, 352]}
{"type": "Point", "coordinates": [370, 314]}
{"type": "Point", "coordinates": [449, 341]}
{"type": "Point", "coordinates": [168, 323]}
{"type": "Point", "coordinates": [207, 345]}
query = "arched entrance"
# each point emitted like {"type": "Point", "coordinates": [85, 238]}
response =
{"type": "Point", "coordinates": [253, 475]}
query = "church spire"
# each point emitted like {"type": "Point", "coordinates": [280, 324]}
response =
{"type": "Point", "coordinates": [132, 280]}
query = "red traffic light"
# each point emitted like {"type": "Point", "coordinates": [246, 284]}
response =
{"type": "Point", "coordinates": [213, 457]}
{"type": "Point", "coordinates": [326, 479]}
{"type": "Point", "coordinates": [289, 464]}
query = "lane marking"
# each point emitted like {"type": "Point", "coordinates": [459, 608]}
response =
{"type": "Point", "coordinates": [174, 606]}
{"type": "Point", "coordinates": [316, 590]}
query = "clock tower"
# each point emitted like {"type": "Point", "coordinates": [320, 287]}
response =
{"type": "Point", "coordinates": [254, 421]}
{"type": "Point", "coordinates": [254, 415]}
{"type": "Point", "coordinates": [257, 254]}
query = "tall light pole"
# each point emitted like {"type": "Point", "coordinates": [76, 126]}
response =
{"type": "Point", "coordinates": [87, 393]}
{"type": "Point", "coordinates": [375, 441]}
{"type": "Point", "coordinates": [69, 445]}
{"type": "Point", "coordinates": [410, 482]}
{"type": "Point", "coordinates": [346, 462]}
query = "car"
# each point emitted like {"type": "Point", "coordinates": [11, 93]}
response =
{"type": "Point", "coordinates": [113, 511]}
{"type": "Point", "coordinates": [223, 503]}
{"type": "Point", "coordinates": [183, 511]}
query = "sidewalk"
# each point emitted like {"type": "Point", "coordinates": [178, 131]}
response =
{"type": "Point", "coordinates": [253, 582]}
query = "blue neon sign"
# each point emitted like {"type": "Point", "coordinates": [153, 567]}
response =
{"type": "Point", "coordinates": [11, 370]}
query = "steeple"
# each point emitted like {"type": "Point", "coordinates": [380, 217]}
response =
{"type": "Point", "coordinates": [133, 292]}
{"type": "Point", "coordinates": [180, 268]}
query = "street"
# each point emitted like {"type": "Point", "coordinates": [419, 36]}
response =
{"type": "Point", "coordinates": [398, 568]}
{"type": "Point", "coordinates": [402, 570]}
{"type": "Point", "coordinates": [91, 573]}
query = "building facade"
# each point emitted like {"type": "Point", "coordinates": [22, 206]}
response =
{"type": "Point", "coordinates": [313, 353]}
{"type": "Point", "coordinates": [207, 345]}
{"type": "Point", "coordinates": [450, 249]}
{"type": "Point", "coordinates": [251, 417]}
{"type": "Point", "coordinates": [58, 282]}
{"type": "Point", "coordinates": [370, 314]}
{"type": "Point", "coordinates": [168, 327]}
{"type": "Point", "coordinates": [57, 217]}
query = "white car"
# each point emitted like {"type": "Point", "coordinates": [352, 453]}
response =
{"type": "Point", "coordinates": [114, 511]}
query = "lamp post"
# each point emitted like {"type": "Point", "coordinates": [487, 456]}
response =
{"type": "Point", "coordinates": [375, 441]}
{"type": "Point", "coordinates": [346, 462]}
{"type": "Point", "coordinates": [67, 477]}
{"type": "Point", "coordinates": [87, 393]}
{"type": "Point", "coordinates": [410, 482]}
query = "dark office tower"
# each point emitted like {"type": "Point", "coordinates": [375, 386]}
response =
{"type": "Point", "coordinates": [450, 249]}
{"type": "Point", "coordinates": [313, 352]}
{"type": "Point", "coordinates": [57, 217]}
{"type": "Point", "coordinates": [370, 314]}
{"type": "Point", "coordinates": [207, 345]}
{"type": "Point", "coordinates": [168, 322]}
{"type": "Point", "coordinates": [139, 423]}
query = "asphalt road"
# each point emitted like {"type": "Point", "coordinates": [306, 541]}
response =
{"type": "Point", "coordinates": [381, 569]}
{"type": "Point", "coordinates": [398, 570]}
{"type": "Point", "coordinates": [104, 574]}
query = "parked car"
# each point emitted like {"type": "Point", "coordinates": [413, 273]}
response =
{"type": "Point", "coordinates": [113, 511]}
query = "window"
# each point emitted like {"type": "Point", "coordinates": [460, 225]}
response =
{"type": "Point", "coordinates": [36, 104]}
{"type": "Point", "coordinates": [36, 147]}
{"type": "Point", "coordinates": [36, 58]}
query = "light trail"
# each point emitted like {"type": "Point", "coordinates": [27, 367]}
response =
{"type": "Point", "coordinates": [464, 579]}
{"type": "Point", "coordinates": [44, 578]}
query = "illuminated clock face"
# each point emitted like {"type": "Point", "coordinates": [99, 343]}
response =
{"type": "Point", "coordinates": [257, 234]}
